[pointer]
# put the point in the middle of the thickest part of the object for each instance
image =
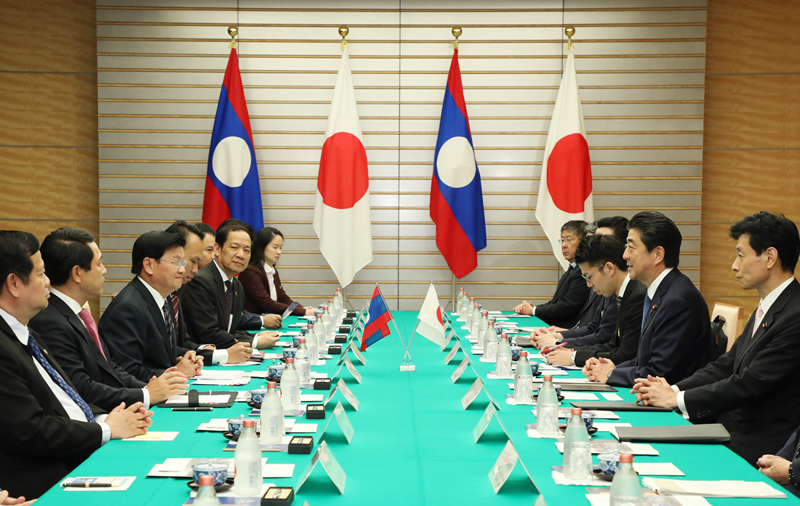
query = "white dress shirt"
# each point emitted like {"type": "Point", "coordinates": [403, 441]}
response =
{"type": "Point", "coordinates": [76, 308]}
{"type": "Point", "coordinates": [765, 304]}
{"type": "Point", "coordinates": [71, 407]}
{"type": "Point", "coordinates": [270, 270]}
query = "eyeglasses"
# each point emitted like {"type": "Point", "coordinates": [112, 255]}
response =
{"type": "Point", "coordinates": [587, 277]}
{"type": "Point", "coordinates": [178, 263]}
{"type": "Point", "coordinates": [568, 240]}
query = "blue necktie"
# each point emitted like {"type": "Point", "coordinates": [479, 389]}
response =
{"type": "Point", "coordinates": [645, 309]}
{"type": "Point", "coordinates": [36, 352]}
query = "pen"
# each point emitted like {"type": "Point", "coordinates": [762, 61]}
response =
{"type": "Point", "coordinates": [554, 348]}
{"type": "Point", "coordinates": [89, 485]}
{"type": "Point", "coordinates": [194, 409]}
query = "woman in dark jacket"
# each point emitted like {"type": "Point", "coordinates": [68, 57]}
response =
{"type": "Point", "coordinates": [263, 292]}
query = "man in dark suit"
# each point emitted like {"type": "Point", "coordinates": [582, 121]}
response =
{"type": "Point", "coordinates": [46, 428]}
{"type": "Point", "coordinates": [193, 252]}
{"type": "Point", "coordinates": [784, 466]}
{"type": "Point", "coordinates": [74, 264]}
{"type": "Point", "coordinates": [213, 301]}
{"type": "Point", "coordinates": [138, 325]}
{"type": "Point", "coordinates": [601, 327]}
{"type": "Point", "coordinates": [563, 310]}
{"type": "Point", "coordinates": [600, 260]}
{"type": "Point", "coordinates": [752, 389]}
{"type": "Point", "coordinates": [676, 338]}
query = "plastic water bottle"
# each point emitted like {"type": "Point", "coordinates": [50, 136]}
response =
{"type": "Point", "coordinates": [546, 409]}
{"type": "Point", "coordinates": [576, 431]}
{"type": "Point", "coordinates": [272, 430]}
{"type": "Point", "coordinates": [462, 310]}
{"type": "Point", "coordinates": [206, 495]}
{"type": "Point", "coordinates": [320, 323]}
{"type": "Point", "coordinates": [313, 350]}
{"type": "Point", "coordinates": [247, 460]}
{"type": "Point", "coordinates": [326, 319]}
{"type": "Point", "coordinates": [484, 321]}
{"type": "Point", "coordinates": [302, 364]}
{"type": "Point", "coordinates": [625, 489]}
{"type": "Point", "coordinates": [486, 335]}
{"type": "Point", "coordinates": [338, 305]}
{"type": "Point", "coordinates": [476, 314]}
{"type": "Point", "coordinates": [290, 387]}
{"type": "Point", "coordinates": [468, 313]}
{"type": "Point", "coordinates": [490, 353]}
{"type": "Point", "coordinates": [523, 380]}
{"type": "Point", "coordinates": [503, 361]}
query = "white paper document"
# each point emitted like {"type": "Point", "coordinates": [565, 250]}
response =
{"type": "Point", "coordinates": [181, 400]}
{"type": "Point", "coordinates": [673, 500]}
{"type": "Point", "coordinates": [579, 396]}
{"type": "Point", "coordinates": [278, 470]}
{"type": "Point", "coordinates": [154, 436]}
{"type": "Point", "coordinates": [611, 397]}
{"type": "Point", "coordinates": [607, 426]}
{"type": "Point", "coordinates": [721, 488]}
{"type": "Point", "coordinates": [117, 483]}
{"type": "Point", "coordinates": [657, 469]}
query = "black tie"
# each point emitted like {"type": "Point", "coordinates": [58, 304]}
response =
{"type": "Point", "coordinates": [169, 321]}
{"type": "Point", "coordinates": [228, 301]}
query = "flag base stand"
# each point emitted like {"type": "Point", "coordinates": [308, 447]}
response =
{"type": "Point", "coordinates": [408, 367]}
{"type": "Point", "coordinates": [407, 364]}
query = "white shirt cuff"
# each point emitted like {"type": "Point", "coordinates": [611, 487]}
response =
{"type": "Point", "coordinates": [573, 357]}
{"type": "Point", "coordinates": [682, 405]}
{"type": "Point", "coordinates": [146, 398]}
{"type": "Point", "coordinates": [533, 311]}
{"type": "Point", "coordinates": [255, 342]}
{"type": "Point", "coordinates": [104, 427]}
{"type": "Point", "coordinates": [219, 357]}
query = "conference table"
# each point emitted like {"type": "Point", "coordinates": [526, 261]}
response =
{"type": "Point", "coordinates": [412, 444]}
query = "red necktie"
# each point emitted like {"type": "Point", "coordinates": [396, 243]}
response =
{"type": "Point", "coordinates": [91, 326]}
{"type": "Point", "coordinates": [174, 298]}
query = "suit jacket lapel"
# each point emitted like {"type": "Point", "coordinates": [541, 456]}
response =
{"type": "Point", "coordinates": [157, 315]}
{"type": "Point", "coordinates": [765, 324]}
{"type": "Point", "coordinates": [78, 325]}
{"type": "Point", "coordinates": [219, 293]}
{"type": "Point", "coordinates": [656, 301]}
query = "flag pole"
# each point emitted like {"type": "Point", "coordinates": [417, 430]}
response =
{"type": "Point", "coordinates": [452, 292]}
{"type": "Point", "coordinates": [404, 366]}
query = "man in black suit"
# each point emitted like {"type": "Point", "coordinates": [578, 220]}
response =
{"type": "Point", "coordinates": [602, 326]}
{"type": "Point", "coordinates": [193, 251]}
{"type": "Point", "coordinates": [74, 264]}
{"type": "Point", "coordinates": [752, 389]}
{"type": "Point", "coordinates": [46, 428]}
{"type": "Point", "coordinates": [563, 310]}
{"type": "Point", "coordinates": [248, 321]}
{"type": "Point", "coordinates": [602, 265]}
{"type": "Point", "coordinates": [138, 326]}
{"type": "Point", "coordinates": [784, 466]}
{"type": "Point", "coordinates": [213, 301]}
{"type": "Point", "coordinates": [676, 338]}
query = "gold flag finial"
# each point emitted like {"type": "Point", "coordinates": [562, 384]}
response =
{"type": "Point", "coordinates": [456, 31]}
{"type": "Point", "coordinates": [569, 31]}
{"type": "Point", "coordinates": [343, 31]}
{"type": "Point", "coordinates": [233, 32]}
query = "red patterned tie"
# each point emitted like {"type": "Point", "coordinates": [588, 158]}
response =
{"type": "Point", "coordinates": [91, 326]}
{"type": "Point", "coordinates": [174, 298]}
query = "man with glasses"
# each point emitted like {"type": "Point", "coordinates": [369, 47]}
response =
{"type": "Point", "coordinates": [600, 258]}
{"type": "Point", "coordinates": [564, 309]}
{"type": "Point", "coordinates": [139, 326]}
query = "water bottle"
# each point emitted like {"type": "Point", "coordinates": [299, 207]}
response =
{"type": "Point", "coordinates": [476, 315]}
{"type": "Point", "coordinates": [484, 321]}
{"type": "Point", "coordinates": [625, 489]}
{"type": "Point", "coordinates": [462, 310]}
{"type": "Point", "coordinates": [326, 319]}
{"type": "Point", "coordinates": [486, 335]}
{"type": "Point", "coordinates": [503, 361]}
{"type": "Point", "coordinates": [523, 380]}
{"type": "Point", "coordinates": [547, 409]}
{"type": "Point", "coordinates": [313, 351]}
{"type": "Point", "coordinates": [576, 431]}
{"type": "Point", "coordinates": [338, 306]}
{"type": "Point", "coordinates": [459, 299]}
{"type": "Point", "coordinates": [206, 495]}
{"type": "Point", "coordinates": [272, 430]}
{"type": "Point", "coordinates": [490, 353]}
{"type": "Point", "coordinates": [468, 313]}
{"type": "Point", "coordinates": [247, 460]}
{"type": "Point", "coordinates": [320, 324]}
{"type": "Point", "coordinates": [290, 387]}
{"type": "Point", "coordinates": [302, 363]}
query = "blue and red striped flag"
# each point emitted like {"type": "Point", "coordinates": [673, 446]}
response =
{"type": "Point", "coordinates": [378, 324]}
{"type": "Point", "coordinates": [456, 195]}
{"type": "Point", "coordinates": [232, 187]}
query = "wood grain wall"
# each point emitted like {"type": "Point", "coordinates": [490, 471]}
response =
{"type": "Point", "coordinates": [752, 130]}
{"type": "Point", "coordinates": [48, 125]}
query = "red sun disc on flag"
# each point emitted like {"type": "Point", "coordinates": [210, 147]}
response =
{"type": "Point", "coordinates": [343, 176]}
{"type": "Point", "coordinates": [569, 173]}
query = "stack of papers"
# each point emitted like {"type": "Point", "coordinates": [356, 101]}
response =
{"type": "Point", "coordinates": [222, 377]}
{"type": "Point", "coordinates": [721, 488]}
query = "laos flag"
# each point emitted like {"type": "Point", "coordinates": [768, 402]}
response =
{"type": "Point", "coordinates": [456, 196]}
{"type": "Point", "coordinates": [232, 187]}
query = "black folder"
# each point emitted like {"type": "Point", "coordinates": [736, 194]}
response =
{"type": "Point", "coordinates": [702, 433]}
{"type": "Point", "coordinates": [615, 406]}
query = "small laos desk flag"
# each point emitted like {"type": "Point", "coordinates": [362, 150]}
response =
{"type": "Point", "coordinates": [456, 196]}
{"type": "Point", "coordinates": [232, 186]}
{"type": "Point", "coordinates": [377, 326]}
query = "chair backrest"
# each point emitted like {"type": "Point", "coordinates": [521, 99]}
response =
{"type": "Point", "coordinates": [733, 317]}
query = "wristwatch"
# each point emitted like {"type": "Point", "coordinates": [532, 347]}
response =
{"type": "Point", "coordinates": [791, 474]}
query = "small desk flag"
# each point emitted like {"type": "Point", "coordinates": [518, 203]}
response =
{"type": "Point", "coordinates": [377, 326]}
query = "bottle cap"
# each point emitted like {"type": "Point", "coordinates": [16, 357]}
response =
{"type": "Point", "coordinates": [523, 354]}
{"type": "Point", "coordinates": [577, 411]}
{"type": "Point", "coordinates": [484, 313]}
{"type": "Point", "coordinates": [302, 341]}
{"type": "Point", "coordinates": [472, 299]}
{"type": "Point", "coordinates": [626, 458]}
{"type": "Point", "coordinates": [330, 301]}
{"type": "Point", "coordinates": [248, 423]}
{"type": "Point", "coordinates": [503, 336]}
{"type": "Point", "coordinates": [290, 360]}
{"type": "Point", "coordinates": [548, 378]}
{"type": "Point", "coordinates": [326, 307]}
{"type": "Point", "coordinates": [311, 325]}
{"type": "Point", "coordinates": [206, 480]}
{"type": "Point", "coordinates": [272, 384]}
{"type": "Point", "coordinates": [462, 288]}
{"type": "Point", "coordinates": [491, 323]}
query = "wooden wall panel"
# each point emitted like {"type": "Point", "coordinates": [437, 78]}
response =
{"type": "Point", "coordinates": [752, 120]}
